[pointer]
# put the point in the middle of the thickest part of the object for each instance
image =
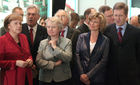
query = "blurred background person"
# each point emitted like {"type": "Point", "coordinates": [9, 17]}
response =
{"type": "Point", "coordinates": [15, 56]}
{"type": "Point", "coordinates": [92, 52]}
{"type": "Point", "coordinates": [74, 20]}
{"type": "Point", "coordinates": [71, 34]}
{"type": "Point", "coordinates": [42, 21]}
{"type": "Point", "coordinates": [16, 10]}
{"type": "Point", "coordinates": [66, 32]}
{"type": "Point", "coordinates": [35, 33]}
{"type": "Point", "coordinates": [124, 56]}
{"type": "Point", "coordinates": [135, 21]}
{"type": "Point", "coordinates": [54, 55]}
{"type": "Point", "coordinates": [108, 13]}
{"type": "Point", "coordinates": [81, 21]}
{"type": "Point", "coordinates": [84, 27]}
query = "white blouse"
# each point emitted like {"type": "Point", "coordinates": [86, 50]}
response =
{"type": "Point", "coordinates": [92, 45]}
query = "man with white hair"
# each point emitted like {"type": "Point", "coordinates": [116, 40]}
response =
{"type": "Point", "coordinates": [71, 34]}
{"type": "Point", "coordinates": [35, 33]}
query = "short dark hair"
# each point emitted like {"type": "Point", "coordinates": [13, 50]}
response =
{"type": "Point", "coordinates": [121, 5]}
{"type": "Point", "coordinates": [104, 8]}
{"type": "Point", "coordinates": [74, 17]}
{"type": "Point", "coordinates": [42, 18]}
{"type": "Point", "coordinates": [87, 11]}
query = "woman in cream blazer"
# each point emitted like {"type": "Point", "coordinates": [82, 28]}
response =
{"type": "Point", "coordinates": [54, 55]}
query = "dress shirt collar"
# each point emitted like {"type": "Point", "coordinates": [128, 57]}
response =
{"type": "Point", "coordinates": [123, 28]}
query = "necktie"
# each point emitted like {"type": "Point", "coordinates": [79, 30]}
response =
{"type": "Point", "coordinates": [31, 35]}
{"type": "Point", "coordinates": [62, 33]}
{"type": "Point", "coordinates": [120, 34]}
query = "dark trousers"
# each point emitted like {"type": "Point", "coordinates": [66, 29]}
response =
{"type": "Point", "coordinates": [66, 82]}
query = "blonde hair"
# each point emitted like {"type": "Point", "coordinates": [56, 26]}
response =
{"type": "Point", "coordinates": [10, 18]}
{"type": "Point", "coordinates": [55, 20]}
{"type": "Point", "coordinates": [102, 19]}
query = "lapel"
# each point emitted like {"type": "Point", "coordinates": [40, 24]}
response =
{"type": "Point", "coordinates": [86, 28]}
{"type": "Point", "coordinates": [114, 35]}
{"type": "Point", "coordinates": [37, 35]}
{"type": "Point", "coordinates": [87, 39]}
{"type": "Point", "coordinates": [25, 30]}
{"type": "Point", "coordinates": [97, 52]}
{"type": "Point", "coordinates": [97, 45]}
{"type": "Point", "coordinates": [69, 33]}
{"type": "Point", "coordinates": [126, 34]}
{"type": "Point", "coordinates": [14, 42]}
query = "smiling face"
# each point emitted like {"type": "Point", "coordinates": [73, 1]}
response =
{"type": "Point", "coordinates": [32, 16]}
{"type": "Point", "coordinates": [15, 27]}
{"type": "Point", "coordinates": [94, 24]}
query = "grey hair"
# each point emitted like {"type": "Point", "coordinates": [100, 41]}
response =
{"type": "Point", "coordinates": [68, 15]}
{"type": "Point", "coordinates": [55, 20]}
{"type": "Point", "coordinates": [34, 6]}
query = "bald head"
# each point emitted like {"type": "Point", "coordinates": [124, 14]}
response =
{"type": "Point", "coordinates": [88, 12]}
{"type": "Point", "coordinates": [63, 15]}
{"type": "Point", "coordinates": [134, 21]}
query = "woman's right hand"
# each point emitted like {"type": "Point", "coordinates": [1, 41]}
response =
{"type": "Point", "coordinates": [21, 63]}
{"type": "Point", "coordinates": [58, 62]}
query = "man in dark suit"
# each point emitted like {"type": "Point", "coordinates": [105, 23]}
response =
{"type": "Point", "coordinates": [71, 34]}
{"type": "Point", "coordinates": [84, 27]}
{"type": "Point", "coordinates": [35, 33]}
{"type": "Point", "coordinates": [66, 31]}
{"type": "Point", "coordinates": [124, 59]}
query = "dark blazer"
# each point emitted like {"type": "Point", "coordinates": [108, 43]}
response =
{"type": "Point", "coordinates": [41, 33]}
{"type": "Point", "coordinates": [2, 31]}
{"type": "Point", "coordinates": [124, 59]}
{"type": "Point", "coordinates": [69, 33]}
{"type": "Point", "coordinates": [10, 51]}
{"type": "Point", "coordinates": [83, 28]}
{"type": "Point", "coordinates": [94, 64]}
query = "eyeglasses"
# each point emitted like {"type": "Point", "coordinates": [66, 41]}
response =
{"type": "Point", "coordinates": [61, 16]}
{"type": "Point", "coordinates": [33, 14]}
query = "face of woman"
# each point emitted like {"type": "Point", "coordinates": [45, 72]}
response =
{"type": "Point", "coordinates": [52, 29]}
{"type": "Point", "coordinates": [42, 23]}
{"type": "Point", "coordinates": [15, 26]}
{"type": "Point", "coordinates": [94, 24]}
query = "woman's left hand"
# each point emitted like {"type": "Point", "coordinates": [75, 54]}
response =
{"type": "Point", "coordinates": [30, 62]}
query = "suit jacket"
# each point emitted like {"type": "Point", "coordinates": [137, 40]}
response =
{"type": "Point", "coordinates": [124, 59]}
{"type": "Point", "coordinates": [94, 64]}
{"type": "Point", "coordinates": [83, 28]}
{"type": "Point", "coordinates": [10, 51]}
{"type": "Point", "coordinates": [47, 56]}
{"type": "Point", "coordinates": [41, 34]}
{"type": "Point", "coordinates": [2, 31]}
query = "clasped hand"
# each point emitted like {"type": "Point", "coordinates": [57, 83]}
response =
{"type": "Point", "coordinates": [23, 64]}
{"type": "Point", "coordinates": [84, 78]}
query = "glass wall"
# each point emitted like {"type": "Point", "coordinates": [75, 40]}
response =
{"type": "Point", "coordinates": [6, 7]}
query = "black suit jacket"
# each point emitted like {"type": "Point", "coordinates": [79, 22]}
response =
{"type": "Point", "coordinates": [83, 28]}
{"type": "Point", "coordinates": [94, 64]}
{"type": "Point", "coordinates": [41, 33]}
{"type": "Point", "coordinates": [124, 59]}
